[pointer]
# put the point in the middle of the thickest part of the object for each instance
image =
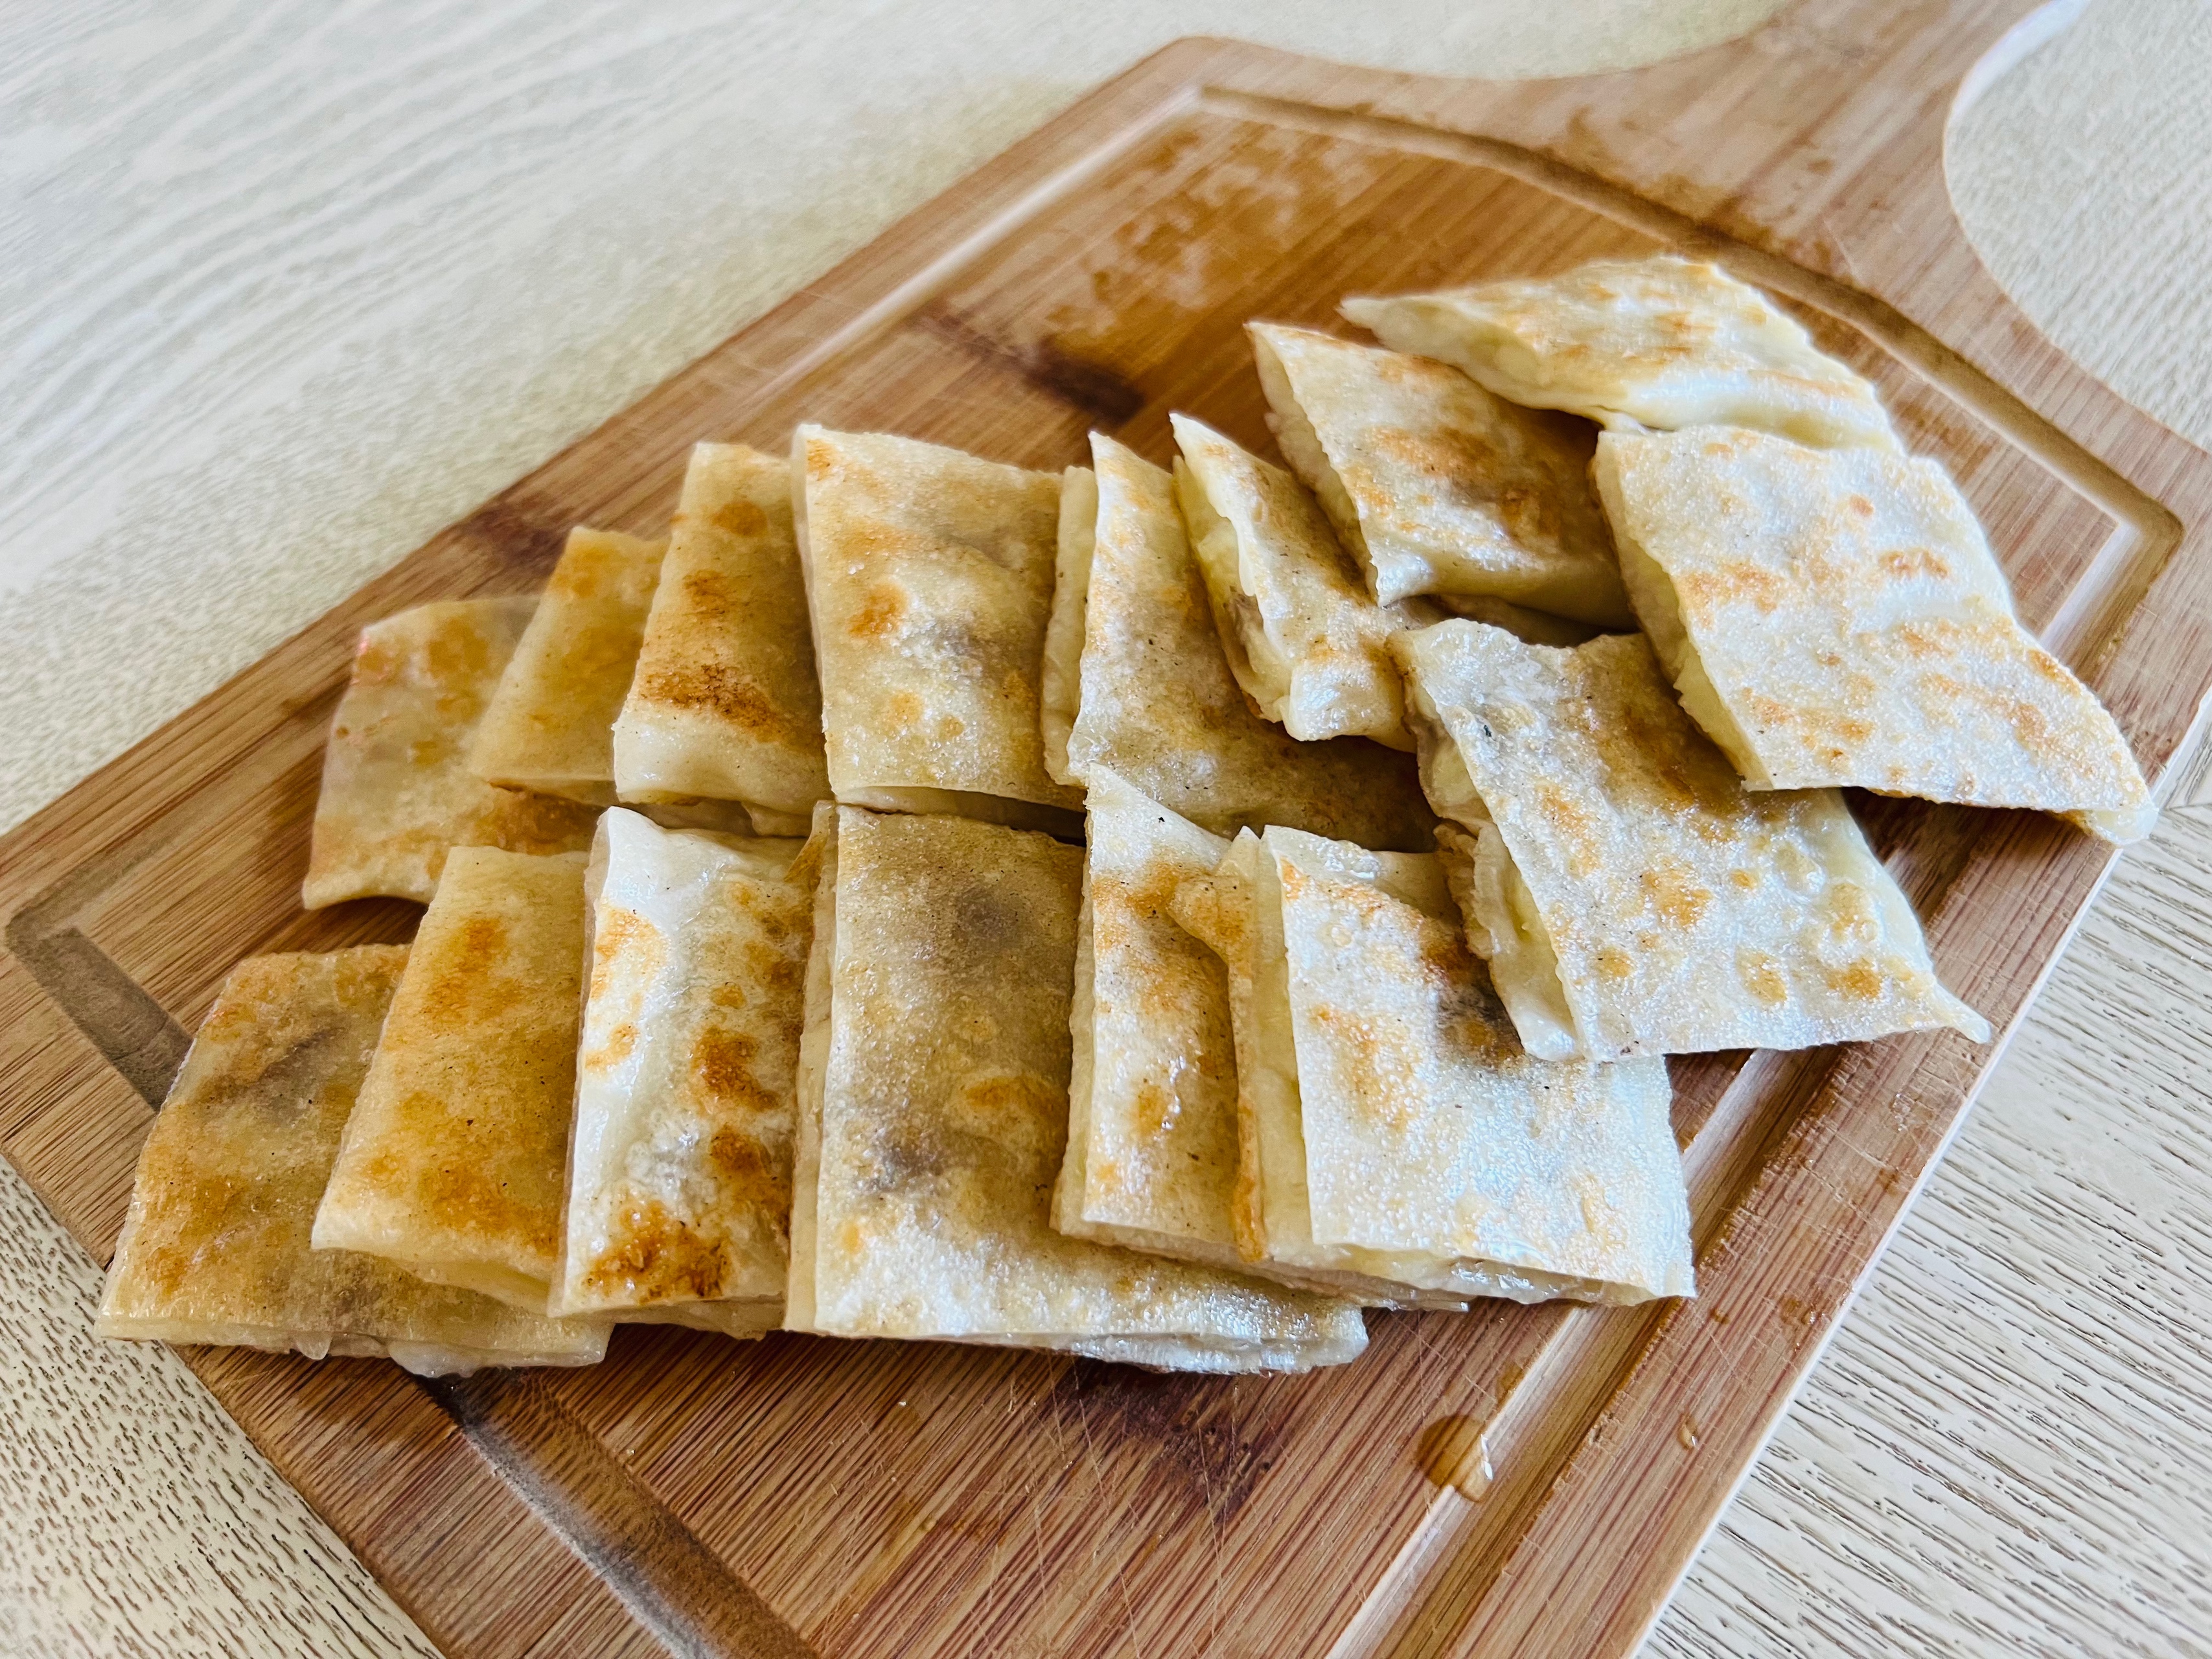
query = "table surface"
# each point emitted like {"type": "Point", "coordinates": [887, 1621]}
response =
{"type": "Point", "coordinates": [283, 288]}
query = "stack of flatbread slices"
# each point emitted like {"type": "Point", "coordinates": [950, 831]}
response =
{"type": "Point", "coordinates": [1149, 913]}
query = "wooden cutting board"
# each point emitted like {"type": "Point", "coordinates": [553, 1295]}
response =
{"type": "Point", "coordinates": [1517, 1480]}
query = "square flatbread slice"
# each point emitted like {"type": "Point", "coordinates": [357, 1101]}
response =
{"type": "Point", "coordinates": [214, 1248]}
{"type": "Point", "coordinates": [1437, 486]}
{"type": "Point", "coordinates": [1152, 1150]}
{"type": "Point", "coordinates": [1398, 1140]}
{"type": "Point", "coordinates": [679, 1167]}
{"type": "Point", "coordinates": [724, 705]}
{"type": "Point", "coordinates": [929, 578]}
{"type": "Point", "coordinates": [453, 1160]}
{"type": "Point", "coordinates": [933, 1081]}
{"type": "Point", "coordinates": [1662, 342]}
{"type": "Point", "coordinates": [550, 725]}
{"type": "Point", "coordinates": [1147, 691]}
{"type": "Point", "coordinates": [1632, 896]}
{"type": "Point", "coordinates": [397, 788]}
{"type": "Point", "coordinates": [1835, 617]}
{"type": "Point", "coordinates": [1301, 636]}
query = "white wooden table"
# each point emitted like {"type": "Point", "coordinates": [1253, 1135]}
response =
{"type": "Point", "coordinates": [285, 286]}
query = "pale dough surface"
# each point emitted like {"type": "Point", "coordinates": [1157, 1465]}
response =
{"type": "Point", "coordinates": [284, 289]}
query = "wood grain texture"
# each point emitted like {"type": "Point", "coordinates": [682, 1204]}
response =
{"type": "Point", "coordinates": [180, 968]}
{"type": "Point", "coordinates": [2014, 1435]}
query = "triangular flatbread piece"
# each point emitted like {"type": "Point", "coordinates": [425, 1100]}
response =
{"type": "Point", "coordinates": [934, 1118]}
{"type": "Point", "coordinates": [1662, 342]}
{"type": "Point", "coordinates": [1145, 690]}
{"type": "Point", "coordinates": [451, 1164]}
{"type": "Point", "coordinates": [1398, 1141]}
{"type": "Point", "coordinates": [1301, 636]}
{"type": "Point", "coordinates": [679, 1165]}
{"type": "Point", "coordinates": [724, 705]}
{"type": "Point", "coordinates": [1437, 486]}
{"type": "Point", "coordinates": [929, 578]}
{"type": "Point", "coordinates": [397, 788]}
{"type": "Point", "coordinates": [1835, 617]}
{"type": "Point", "coordinates": [550, 725]}
{"type": "Point", "coordinates": [1631, 895]}
{"type": "Point", "coordinates": [214, 1248]}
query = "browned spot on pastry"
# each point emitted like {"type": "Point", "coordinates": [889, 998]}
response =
{"type": "Point", "coordinates": [1762, 976]}
{"type": "Point", "coordinates": [717, 687]}
{"type": "Point", "coordinates": [622, 933]}
{"type": "Point", "coordinates": [616, 1049]}
{"type": "Point", "coordinates": [588, 569]}
{"type": "Point", "coordinates": [1860, 979]}
{"type": "Point", "coordinates": [1155, 1108]}
{"type": "Point", "coordinates": [1907, 561]}
{"type": "Point", "coordinates": [1704, 593]}
{"type": "Point", "coordinates": [722, 1063]}
{"type": "Point", "coordinates": [467, 984]}
{"type": "Point", "coordinates": [739, 517]}
{"type": "Point", "coordinates": [1676, 896]}
{"type": "Point", "coordinates": [654, 1257]}
{"type": "Point", "coordinates": [774, 969]}
{"type": "Point", "coordinates": [460, 1183]}
{"type": "Point", "coordinates": [707, 597]}
{"type": "Point", "coordinates": [747, 1172]}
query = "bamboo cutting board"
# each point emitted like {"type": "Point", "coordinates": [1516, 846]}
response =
{"type": "Point", "coordinates": [1518, 1480]}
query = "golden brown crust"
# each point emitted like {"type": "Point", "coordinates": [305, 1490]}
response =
{"type": "Point", "coordinates": [940, 1081]}
{"type": "Point", "coordinates": [1667, 900]}
{"type": "Point", "coordinates": [929, 578]}
{"type": "Point", "coordinates": [453, 1162]}
{"type": "Point", "coordinates": [1437, 486]}
{"type": "Point", "coordinates": [1152, 1156]}
{"type": "Point", "coordinates": [396, 790]}
{"type": "Point", "coordinates": [550, 725]}
{"type": "Point", "coordinates": [680, 1166]}
{"type": "Point", "coordinates": [1835, 617]}
{"type": "Point", "coordinates": [215, 1246]}
{"type": "Point", "coordinates": [725, 703]}
{"type": "Point", "coordinates": [1429, 1132]}
{"type": "Point", "coordinates": [1662, 343]}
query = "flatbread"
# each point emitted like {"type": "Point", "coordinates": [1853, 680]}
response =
{"type": "Point", "coordinates": [550, 725]}
{"type": "Point", "coordinates": [1631, 895]}
{"type": "Point", "coordinates": [934, 1118]}
{"type": "Point", "coordinates": [452, 1163]}
{"type": "Point", "coordinates": [1398, 1140]}
{"type": "Point", "coordinates": [1151, 698]}
{"type": "Point", "coordinates": [1662, 342]}
{"type": "Point", "coordinates": [1436, 486]}
{"type": "Point", "coordinates": [724, 705]}
{"type": "Point", "coordinates": [679, 1165]}
{"type": "Point", "coordinates": [929, 578]}
{"type": "Point", "coordinates": [215, 1245]}
{"type": "Point", "coordinates": [1301, 637]}
{"type": "Point", "coordinates": [397, 788]}
{"type": "Point", "coordinates": [1835, 617]}
{"type": "Point", "coordinates": [1151, 1130]}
